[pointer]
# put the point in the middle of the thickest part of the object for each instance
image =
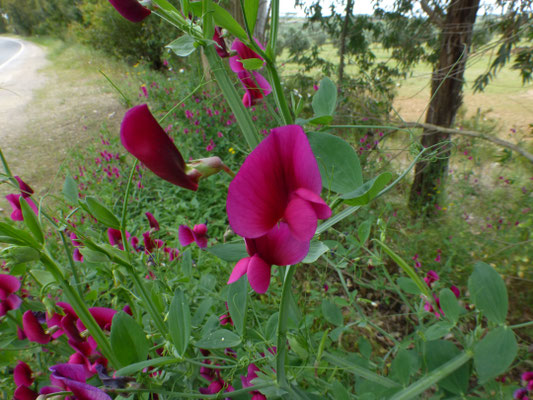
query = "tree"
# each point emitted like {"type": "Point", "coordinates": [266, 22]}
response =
{"type": "Point", "coordinates": [446, 96]}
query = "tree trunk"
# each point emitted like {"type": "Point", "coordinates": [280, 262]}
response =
{"type": "Point", "coordinates": [344, 32]}
{"type": "Point", "coordinates": [262, 19]}
{"type": "Point", "coordinates": [446, 97]}
{"type": "Point", "coordinates": [234, 7]}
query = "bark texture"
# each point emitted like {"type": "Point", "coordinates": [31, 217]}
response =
{"type": "Point", "coordinates": [446, 98]}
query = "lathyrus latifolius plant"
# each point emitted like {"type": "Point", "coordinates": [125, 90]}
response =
{"type": "Point", "coordinates": [122, 313]}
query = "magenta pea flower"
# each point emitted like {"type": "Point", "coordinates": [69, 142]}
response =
{"type": "Point", "coordinates": [247, 382]}
{"type": "Point", "coordinates": [279, 182]}
{"type": "Point", "coordinates": [152, 221]}
{"type": "Point", "coordinates": [14, 202]}
{"type": "Point", "coordinates": [278, 247]}
{"type": "Point", "coordinates": [197, 234]}
{"type": "Point", "coordinates": [431, 278]}
{"type": "Point", "coordinates": [146, 140]}
{"type": "Point", "coordinates": [24, 393]}
{"type": "Point", "coordinates": [254, 83]}
{"type": "Point", "coordinates": [132, 10]}
{"type": "Point", "coordinates": [33, 329]}
{"type": "Point", "coordinates": [221, 48]}
{"type": "Point", "coordinates": [25, 189]}
{"type": "Point", "coordinates": [73, 377]}
{"type": "Point", "coordinates": [22, 374]}
{"type": "Point", "coordinates": [8, 299]}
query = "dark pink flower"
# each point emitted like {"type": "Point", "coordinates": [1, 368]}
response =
{"type": "Point", "coordinates": [103, 316]}
{"type": "Point", "coordinates": [33, 329]}
{"type": "Point", "coordinates": [14, 201]}
{"type": "Point", "coordinates": [221, 48]}
{"type": "Point", "coordinates": [278, 182]}
{"type": "Point", "coordinates": [455, 291]}
{"type": "Point", "coordinates": [247, 382]}
{"type": "Point", "coordinates": [22, 374]}
{"type": "Point", "coordinates": [520, 394]}
{"type": "Point", "coordinates": [8, 285]}
{"type": "Point", "coordinates": [73, 377]}
{"type": "Point", "coordinates": [254, 83]}
{"type": "Point", "coordinates": [115, 237]}
{"type": "Point", "coordinates": [431, 278]}
{"type": "Point", "coordinates": [152, 221]}
{"type": "Point", "coordinates": [197, 234]}
{"type": "Point", "coordinates": [25, 189]}
{"type": "Point", "coordinates": [144, 138]}
{"type": "Point", "coordinates": [24, 393]}
{"type": "Point", "coordinates": [132, 10]}
{"type": "Point", "coordinates": [277, 247]}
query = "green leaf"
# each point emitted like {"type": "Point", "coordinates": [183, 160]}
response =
{"type": "Point", "coordinates": [229, 251]}
{"type": "Point", "coordinates": [179, 322]}
{"type": "Point", "coordinates": [250, 11]}
{"type": "Point", "coordinates": [31, 220]}
{"type": "Point", "coordinates": [102, 213]}
{"type": "Point", "coordinates": [183, 46]}
{"type": "Point", "coordinates": [93, 256]}
{"type": "Point", "coordinates": [219, 339]}
{"type": "Point", "coordinates": [495, 353]}
{"type": "Point", "coordinates": [156, 362]}
{"type": "Point", "coordinates": [339, 391]}
{"type": "Point", "coordinates": [252, 64]}
{"type": "Point", "coordinates": [332, 313]}
{"type": "Point", "coordinates": [488, 292]}
{"type": "Point", "coordinates": [401, 367]}
{"type": "Point", "coordinates": [186, 262]}
{"type": "Point", "coordinates": [70, 190]}
{"type": "Point", "coordinates": [20, 236]}
{"type": "Point", "coordinates": [438, 330]}
{"type": "Point", "coordinates": [449, 304]}
{"type": "Point", "coordinates": [128, 340]}
{"type": "Point", "coordinates": [316, 249]}
{"type": "Point", "coordinates": [325, 99]}
{"type": "Point", "coordinates": [44, 278]}
{"type": "Point", "coordinates": [438, 353]}
{"type": "Point", "coordinates": [408, 286]}
{"type": "Point", "coordinates": [320, 120]}
{"type": "Point", "coordinates": [337, 161]}
{"type": "Point", "coordinates": [363, 232]}
{"type": "Point", "coordinates": [222, 18]}
{"type": "Point", "coordinates": [185, 6]}
{"type": "Point", "coordinates": [19, 255]}
{"type": "Point", "coordinates": [201, 311]}
{"type": "Point", "coordinates": [237, 303]}
{"type": "Point", "coordinates": [366, 192]}
{"type": "Point", "coordinates": [272, 326]}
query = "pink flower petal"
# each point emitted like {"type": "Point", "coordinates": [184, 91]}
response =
{"type": "Point", "coordinates": [321, 208]}
{"type": "Point", "coordinates": [25, 189]}
{"type": "Point", "coordinates": [152, 221]}
{"type": "Point", "coordinates": [33, 329]}
{"type": "Point", "coordinates": [22, 374]}
{"type": "Point", "coordinates": [258, 195]}
{"type": "Point", "coordinates": [144, 138]}
{"type": "Point", "coordinates": [132, 10]}
{"type": "Point", "coordinates": [185, 235]}
{"type": "Point", "coordinates": [24, 393]}
{"type": "Point", "coordinates": [279, 246]}
{"type": "Point", "coordinates": [103, 316]}
{"type": "Point", "coordinates": [301, 218]}
{"type": "Point", "coordinates": [258, 274]}
{"type": "Point", "coordinates": [239, 270]}
{"type": "Point", "coordinates": [8, 285]}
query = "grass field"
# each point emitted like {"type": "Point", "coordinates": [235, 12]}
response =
{"type": "Point", "coordinates": [505, 99]}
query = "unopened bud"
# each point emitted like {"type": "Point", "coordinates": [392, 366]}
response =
{"type": "Point", "coordinates": [205, 167]}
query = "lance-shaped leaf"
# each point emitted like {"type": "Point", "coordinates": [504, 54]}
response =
{"type": "Point", "coordinates": [128, 340]}
{"type": "Point", "coordinates": [179, 322]}
{"type": "Point", "coordinates": [238, 304]}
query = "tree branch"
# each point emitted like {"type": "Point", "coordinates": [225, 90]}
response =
{"type": "Point", "coordinates": [473, 134]}
{"type": "Point", "coordinates": [434, 15]}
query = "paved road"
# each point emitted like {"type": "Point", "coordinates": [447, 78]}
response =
{"type": "Point", "coordinates": [20, 62]}
{"type": "Point", "coordinates": [9, 50]}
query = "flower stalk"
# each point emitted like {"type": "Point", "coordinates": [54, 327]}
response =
{"type": "Point", "coordinates": [281, 351]}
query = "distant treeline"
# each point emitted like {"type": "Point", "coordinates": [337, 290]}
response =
{"type": "Point", "coordinates": [91, 22]}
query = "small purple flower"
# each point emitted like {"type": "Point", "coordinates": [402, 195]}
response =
{"type": "Point", "coordinates": [14, 201]}
{"type": "Point", "coordinates": [152, 221]}
{"type": "Point", "coordinates": [33, 329]}
{"type": "Point", "coordinates": [198, 234]}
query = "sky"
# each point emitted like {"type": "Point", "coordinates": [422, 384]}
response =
{"type": "Point", "coordinates": [360, 6]}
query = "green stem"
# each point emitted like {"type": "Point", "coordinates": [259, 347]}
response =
{"type": "Point", "coordinates": [243, 117]}
{"type": "Point", "coordinates": [522, 325]}
{"type": "Point", "coordinates": [278, 93]}
{"type": "Point", "coordinates": [138, 282]}
{"type": "Point", "coordinates": [71, 262]}
{"type": "Point", "coordinates": [81, 310]}
{"type": "Point", "coordinates": [6, 168]}
{"type": "Point", "coordinates": [194, 395]}
{"type": "Point", "coordinates": [282, 327]}
{"type": "Point", "coordinates": [274, 24]}
{"type": "Point", "coordinates": [412, 391]}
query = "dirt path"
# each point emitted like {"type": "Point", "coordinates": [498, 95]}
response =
{"type": "Point", "coordinates": [19, 79]}
{"type": "Point", "coordinates": [50, 107]}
